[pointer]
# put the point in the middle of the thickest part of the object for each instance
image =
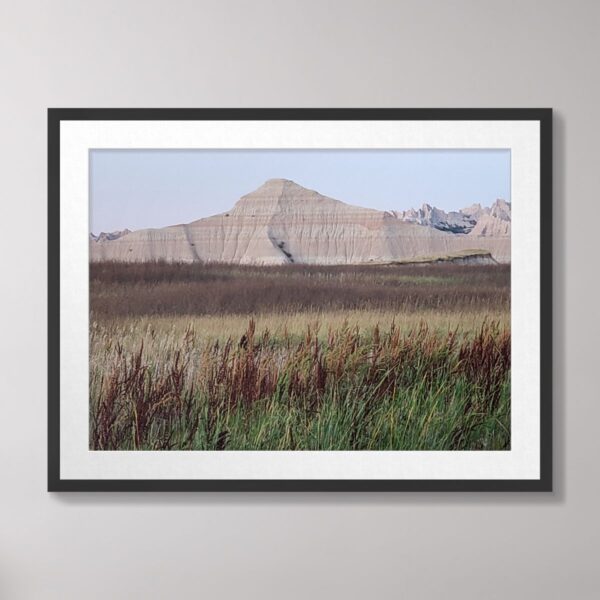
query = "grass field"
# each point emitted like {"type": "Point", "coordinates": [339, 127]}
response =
{"type": "Point", "coordinates": [216, 357]}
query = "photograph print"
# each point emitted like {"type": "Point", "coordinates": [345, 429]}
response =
{"type": "Point", "coordinates": [311, 312]}
{"type": "Point", "coordinates": [300, 300]}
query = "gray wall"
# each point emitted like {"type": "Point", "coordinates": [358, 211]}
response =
{"type": "Point", "coordinates": [306, 53]}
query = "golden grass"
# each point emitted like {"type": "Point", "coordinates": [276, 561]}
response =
{"type": "Point", "coordinates": [131, 330]}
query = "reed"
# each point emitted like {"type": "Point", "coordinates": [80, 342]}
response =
{"type": "Point", "coordinates": [332, 388]}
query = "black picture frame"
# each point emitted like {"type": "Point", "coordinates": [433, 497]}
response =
{"type": "Point", "coordinates": [58, 115]}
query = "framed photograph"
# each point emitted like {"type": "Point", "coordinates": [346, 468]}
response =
{"type": "Point", "coordinates": [300, 299]}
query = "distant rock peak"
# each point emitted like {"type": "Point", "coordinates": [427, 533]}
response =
{"type": "Point", "coordinates": [279, 180]}
{"type": "Point", "coordinates": [109, 236]}
{"type": "Point", "coordinates": [278, 196]}
{"type": "Point", "coordinates": [452, 222]}
{"type": "Point", "coordinates": [474, 219]}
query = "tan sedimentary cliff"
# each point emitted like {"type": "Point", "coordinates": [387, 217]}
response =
{"type": "Point", "coordinates": [282, 222]}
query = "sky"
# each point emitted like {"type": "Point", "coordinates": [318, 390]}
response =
{"type": "Point", "coordinates": [137, 189]}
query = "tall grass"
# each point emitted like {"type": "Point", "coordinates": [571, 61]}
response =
{"type": "Point", "coordinates": [170, 329]}
{"type": "Point", "coordinates": [223, 357]}
{"type": "Point", "coordinates": [338, 389]}
{"type": "Point", "coordinates": [134, 289]}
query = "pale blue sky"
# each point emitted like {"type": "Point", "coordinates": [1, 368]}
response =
{"type": "Point", "coordinates": [154, 188]}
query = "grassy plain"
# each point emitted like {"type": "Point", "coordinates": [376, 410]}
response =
{"type": "Point", "coordinates": [218, 357]}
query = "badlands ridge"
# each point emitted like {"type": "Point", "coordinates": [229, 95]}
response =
{"type": "Point", "coordinates": [282, 222]}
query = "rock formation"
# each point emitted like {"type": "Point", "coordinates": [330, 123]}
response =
{"type": "Point", "coordinates": [282, 222]}
{"type": "Point", "coordinates": [487, 228]}
{"type": "Point", "coordinates": [454, 222]}
{"type": "Point", "coordinates": [465, 257]}
{"type": "Point", "coordinates": [475, 220]}
{"type": "Point", "coordinates": [106, 237]}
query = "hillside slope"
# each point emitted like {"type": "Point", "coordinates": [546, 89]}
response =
{"type": "Point", "coordinates": [282, 222]}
